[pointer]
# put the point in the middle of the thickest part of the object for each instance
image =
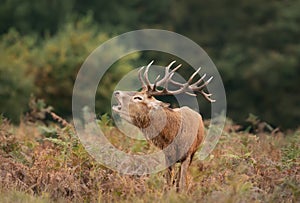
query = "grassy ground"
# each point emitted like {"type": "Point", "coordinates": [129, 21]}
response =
{"type": "Point", "coordinates": [42, 163]}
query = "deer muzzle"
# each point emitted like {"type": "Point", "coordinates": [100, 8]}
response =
{"type": "Point", "coordinates": [118, 95]}
{"type": "Point", "coordinates": [122, 106]}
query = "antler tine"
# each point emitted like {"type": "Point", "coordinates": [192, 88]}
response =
{"type": "Point", "coordinates": [155, 81]}
{"type": "Point", "coordinates": [189, 80]}
{"type": "Point", "coordinates": [200, 89]}
{"type": "Point", "coordinates": [203, 85]}
{"type": "Point", "coordinates": [191, 94]}
{"type": "Point", "coordinates": [194, 86]}
{"type": "Point", "coordinates": [207, 96]}
{"type": "Point", "coordinates": [200, 80]}
{"type": "Point", "coordinates": [146, 75]}
{"type": "Point", "coordinates": [187, 88]}
{"type": "Point", "coordinates": [141, 78]}
{"type": "Point", "coordinates": [176, 68]}
{"type": "Point", "coordinates": [194, 74]}
{"type": "Point", "coordinates": [170, 65]}
{"type": "Point", "coordinates": [167, 74]}
{"type": "Point", "coordinates": [167, 82]}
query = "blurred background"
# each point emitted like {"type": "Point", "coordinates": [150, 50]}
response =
{"type": "Point", "coordinates": [254, 44]}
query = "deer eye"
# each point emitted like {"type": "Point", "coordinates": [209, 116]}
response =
{"type": "Point", "coordinates": [137, 98]}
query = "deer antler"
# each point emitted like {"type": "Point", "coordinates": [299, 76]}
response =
{"type": "Point", "coordinates": [187, 88]}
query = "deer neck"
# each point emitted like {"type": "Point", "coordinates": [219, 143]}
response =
{"type": "Point", "coordinates": [160, 126]}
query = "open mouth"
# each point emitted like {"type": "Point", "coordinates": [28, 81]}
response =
{"type": "Point", "coordinates": [118, 107]}
{"type": "Point", "coordinates": [119, 110]}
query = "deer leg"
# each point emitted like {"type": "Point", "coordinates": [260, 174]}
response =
{"type": "Point", "coordinates": [170, 176]}
{"type": "Point", "coordinates": [178, 179]}
{"type": "Point", "coordinates": [183, 174]}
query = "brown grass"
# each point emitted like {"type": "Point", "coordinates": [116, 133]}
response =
{"type": "Point", "coordinates": [42, 163]}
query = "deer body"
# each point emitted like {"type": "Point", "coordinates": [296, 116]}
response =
{"type": "Point", "coordinates": [178, 132]}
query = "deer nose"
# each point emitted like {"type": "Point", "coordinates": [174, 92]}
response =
{"type": "Point", "coordinates": [116, 93]}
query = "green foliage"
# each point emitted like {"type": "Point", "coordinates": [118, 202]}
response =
{"type": "Point", "coordinates": [48, 132]}
{"type": "Point", "coordinates": [48, 68]}
{"type": "Point", "coordinates": [261, 57]}
{"type": "Point", "coordinates": [254, 44]}
{"type": "Point", "coordinates": [291, 152]}
{"type": "Point", "coordinates": [34, 15]}
{"type": "Point", "coordinates": [57, 60]}
{"type": "Point", "coordinates": [16, 84]}
{"type": "Point", "coordinates": [104, 120]}
{"type": "Point", "coordinates": [126, 16]}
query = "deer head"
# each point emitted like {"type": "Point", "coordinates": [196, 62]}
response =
{"type": "Point", "coordinates": [135, 106]}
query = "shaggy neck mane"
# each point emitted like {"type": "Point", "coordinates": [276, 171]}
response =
{"type": "Point", "coordinates": [160, 126]}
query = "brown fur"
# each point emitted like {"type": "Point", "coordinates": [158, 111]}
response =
{"type": "Point", "coordinates": [178, 132]}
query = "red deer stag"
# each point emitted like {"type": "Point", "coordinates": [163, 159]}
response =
{"type": "Point", "coordinates": [181, 128]}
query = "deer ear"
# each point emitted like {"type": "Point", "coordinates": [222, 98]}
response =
{"type": "Point", "coordinates": [166, 105]}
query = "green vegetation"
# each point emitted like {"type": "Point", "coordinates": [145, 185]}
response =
{"type": "Point", "coordinates": [48, 67]}
{"type": "Point", "coordinates": [254, 44]}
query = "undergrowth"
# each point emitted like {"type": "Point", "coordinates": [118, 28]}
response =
{"type": "Point", "coordinates": [45, 162]}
